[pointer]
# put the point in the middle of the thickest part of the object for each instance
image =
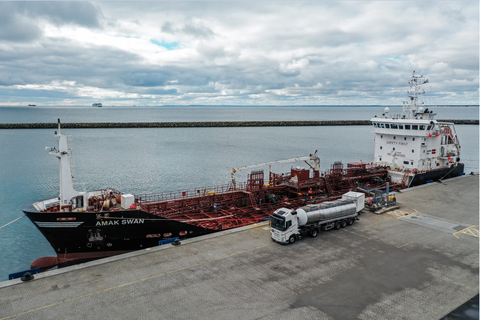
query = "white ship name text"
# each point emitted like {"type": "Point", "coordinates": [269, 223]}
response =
{"type": "Point", "coordinates": [120, 222]}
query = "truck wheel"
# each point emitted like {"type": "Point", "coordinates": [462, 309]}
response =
{"type": "Point", "coordinates": [314, 232]}
{"type": "Point", "coordinates": [291, 239]}
{"type": "Point", "coordinates": [338, 225]}
{"type": "Point", "coordinates": [351, 221]}
{"type": "Point", "coordinates": [344, 223]}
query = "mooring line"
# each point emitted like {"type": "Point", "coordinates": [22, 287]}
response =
{"type": "Point", "coordinates": [12, 222]}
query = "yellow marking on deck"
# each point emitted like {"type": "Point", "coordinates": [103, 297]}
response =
{"type": "Point", "coordinates": [400, 214]}
{"type": "Point", "coordinates": [470, 231]}
{"type": "Point", "coordinates": [133, 282]}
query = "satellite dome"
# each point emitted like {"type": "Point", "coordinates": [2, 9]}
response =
{"type": "Point", "coordinates": [387, 110]}
{"type": "Point", "coordinates": [421, 110]}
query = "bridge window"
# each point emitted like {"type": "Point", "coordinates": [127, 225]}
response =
{"type": "Point", "coordinates": [422, 127]}
{"type": "Point", "coordinates": [387, 126]}
{"type": "Point", "coordinates": [415, 127]}
{"type": "Point", "coordinates": [400, 126]}
{"type": "Point", "coordinates": [394, 126]}
{"type": "Point", "coordinates": [405, 162]}
{"type": "Point", "coordinates": [407, 127]}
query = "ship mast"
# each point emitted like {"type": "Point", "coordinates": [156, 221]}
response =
{"type": "Point", "coordinates": [410, 107]}
{"type": "Point", "coordinates": [66, 183]}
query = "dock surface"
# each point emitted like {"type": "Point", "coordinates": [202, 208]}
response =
{"type": "Point", "coordinates": [417, 262]}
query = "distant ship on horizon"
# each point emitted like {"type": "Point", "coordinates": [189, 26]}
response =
{"type": "Point", "coordinates": [32, 105]}
{"type": "Point", "coordinates": [97, 104]}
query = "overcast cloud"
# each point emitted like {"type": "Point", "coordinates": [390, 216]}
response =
{"type": "Point", "coordinates": [237, 53]}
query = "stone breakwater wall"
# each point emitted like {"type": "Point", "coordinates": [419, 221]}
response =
{"type": "Point", "coordinates": [88, 125]}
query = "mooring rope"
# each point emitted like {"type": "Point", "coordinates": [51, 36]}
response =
{"type": "Point", "coordinates": [12, 222]}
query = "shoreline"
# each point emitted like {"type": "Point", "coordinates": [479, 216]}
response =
{"type": "Point", "coordinates": [207, 124]}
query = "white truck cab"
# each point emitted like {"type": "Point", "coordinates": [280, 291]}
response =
{"type": "Point", "coordinates": [288, 225]}
{"type": "Point", "coordinates": [284, 225]}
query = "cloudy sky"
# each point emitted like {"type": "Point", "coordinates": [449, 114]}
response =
{"type": "Point", "coordinates": [237, 52]}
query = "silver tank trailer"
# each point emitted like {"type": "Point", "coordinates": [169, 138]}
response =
{"type": "Point", "coordinates": [325, 211]}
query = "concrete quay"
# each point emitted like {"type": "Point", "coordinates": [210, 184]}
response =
{"type": "Point", "coordinates": [417, 262]}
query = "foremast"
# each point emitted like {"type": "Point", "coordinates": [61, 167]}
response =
{"type": "Point", "coordinates": [410, 107]}
{"type": "Point", "coordinates": [67, 193]}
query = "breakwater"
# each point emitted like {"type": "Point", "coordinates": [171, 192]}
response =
{"type": "Point", "coordinates": [103, 125]}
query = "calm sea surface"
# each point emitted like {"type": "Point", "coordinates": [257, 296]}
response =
{"type": "Point", "coordinates": [164, 159]}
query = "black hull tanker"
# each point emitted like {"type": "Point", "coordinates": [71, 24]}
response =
{"type": "Point", "coordinates": [83, 236]}
{"type": "Point", "coordinates": [82, 226]}
{"type": "Point", "coordinates": [410, 149]}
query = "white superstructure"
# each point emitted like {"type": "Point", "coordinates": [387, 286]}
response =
{"type": "Point", "coordinates": [414, 141]}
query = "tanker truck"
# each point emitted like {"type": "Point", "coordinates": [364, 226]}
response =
{"type": "Point", "coordinates": [289, 225]}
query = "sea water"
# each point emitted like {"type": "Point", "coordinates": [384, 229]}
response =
{"type": "Point", "coordinates": [150, 160]}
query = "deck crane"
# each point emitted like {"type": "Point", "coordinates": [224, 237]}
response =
{"type": "Point", "coordinates": [313, 157]}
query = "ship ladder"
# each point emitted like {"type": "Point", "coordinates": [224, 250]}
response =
{"type": "Point", "coordinates": [329, 187]}
{"type": "Point", "coordinates": [405, 179]}
{"type": "Point", "coordinates": [352, 184]}
{"type": "Point", "coordinates": [253, 201]}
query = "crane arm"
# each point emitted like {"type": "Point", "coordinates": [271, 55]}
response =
{"type": "Point", "coordinates": [313, 157]}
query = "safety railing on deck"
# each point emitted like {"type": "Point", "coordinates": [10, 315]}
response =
{"type": "Point", "coordinates": [189, 193]}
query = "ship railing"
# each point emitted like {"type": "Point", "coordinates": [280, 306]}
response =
{"type": "Point", "coordinates": [190, 193]}
{"type": "Point", "coordinates": [104, 192]}
{"type": "Point", "coordinates": [46, 204]}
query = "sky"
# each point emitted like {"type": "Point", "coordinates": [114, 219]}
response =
{"type": "Point", "coordinates": [66, 53]}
